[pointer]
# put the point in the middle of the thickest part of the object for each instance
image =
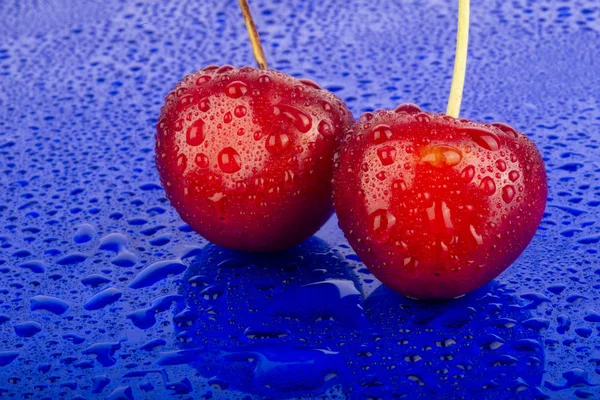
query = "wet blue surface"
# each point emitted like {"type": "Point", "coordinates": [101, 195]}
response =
{"type": "Point", "coordinates": [105, 293]}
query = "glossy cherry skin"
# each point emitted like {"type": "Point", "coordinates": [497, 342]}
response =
{"type": "Point", "coordinates": [434, 206]}
{"type": "Point", "coordinates": [245, 155]}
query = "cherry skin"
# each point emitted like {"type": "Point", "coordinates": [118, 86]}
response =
{"type": "Point", "coordinates": [245, 155]}
{"type": "Point", "coordinates": [434, 206]}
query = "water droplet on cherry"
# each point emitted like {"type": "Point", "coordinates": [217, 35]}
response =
{"type": "Point", "coordinates": [277, 143]}
{"type": "Point", "coordinates": [508, 193]}
{"type": "Point", "coordinates": [298, 118]}
{"type": "Point", "coordinates": [325, 128]}
{"type": "Point", "coordinates": [483, 137]}
{"type": "Point", "coordinates": [229, 160]}
{"type": "Point", "coordinates": [387, 155]}
{"type": "Point", "coordinates": [201, 160]}
{"type": "Point", "coordinates": [240, 111]}
{"type": "Point", "coordinates": [380, 133]}
{"type": "Point", "coordinates": [195, 133]}
{"type": "Point", "coordinates": [487, 186]}
{"type": "Point", "coordinates": [442, 156]}
{"type": "Point", "coordinates": [236, 89]}
{"type": "Point", "coordinates": [408, 108]}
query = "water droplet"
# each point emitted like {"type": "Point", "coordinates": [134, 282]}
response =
{"type": "Point", "coordinates": [381, 222]}
{"type": "Point", "coordinates": [299, 118]}
{"type": "Point", "coordinates": [195, 133]}
{"type": "Point", "coordinates": [513, 175]}
{"type": "Point", "coordinates": [240, 111]}
{"type": "Point", "coordinates": [487, 186]}
{"type": "Point", "coordinates": [380, 133]}
{"type": "Point", "coordinates": [310, 83]}
{"type": "Point", "coordinates": [186, 100]}
{"type": "Point", "coordinates": [408, 108]}
{"type": "Point", "coordinates": [225, 68]}
{"type": "Point", "coordinates": [229, 160]}
{"type": "Point", "coordinates": [236, 89]}
{"type": "Point", "coordinates": [468, 173]}
{"type": "Point", "coordinates": [203, 79]}
{"type": "Point", "coordinates": [483, 137]}
{"type": "Point", "coordinates": [325, 128]}
{"type": "Point", "coordinates": [387, 155]}
{"type": "Point", "coordinates": [508, 193]}
{"type": "Point", "coordinates": [227, 118]}
{"type": "Point", "coordinates": [178, 125]}
{"type": "Point", "coordinates": [501, 165]}
{"type": "Point", "coordinates": [181, 164]}
{"type": "Point", "coordinates": [204, 105]}
{"type": "Point", "coordinates": [381, 175]}
{"type": "Point", "coordinates": [505, 128]}
{"type": "Point", "coordinates": [478, 238]}
{"type": "Point", "coordinates": [401, 185]}
{"type": "Point", "coordinates": [277, 143]}
{"type": "Point", "coordinates": [264, 79]}
{"type": "Point", "coordinates": [423, 117]}
{"type": "Point", "coordinates": [442, 156]}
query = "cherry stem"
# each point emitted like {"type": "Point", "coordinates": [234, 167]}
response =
{"type": "Point", "coordinates": [460, 60]}
{"type": "Point", "coordinates": [259, 55]}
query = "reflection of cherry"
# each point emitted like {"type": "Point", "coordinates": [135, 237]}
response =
{"type": "Point", "coordinates": [245, 155]}
{"type": "Point", "coordinates": [436, 206]}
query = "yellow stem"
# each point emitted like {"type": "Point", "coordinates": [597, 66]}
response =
{"type": "Point", "coordinates": [259, 55]}
{"type": "Point", "coordinates": [460, 60]}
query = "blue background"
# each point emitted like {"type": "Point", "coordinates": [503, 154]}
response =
{"type": "Point", "coordinates": [105, 293]}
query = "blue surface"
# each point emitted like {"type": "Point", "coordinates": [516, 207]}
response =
{"type": "Point", "coordinates": [105, 293]}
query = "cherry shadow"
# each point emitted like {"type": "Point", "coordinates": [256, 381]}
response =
{"type": "Point", "coordinates": [294, 324]}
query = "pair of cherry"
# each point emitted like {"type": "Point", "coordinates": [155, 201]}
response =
{"type": "Point", "coordinates": [434, 206]}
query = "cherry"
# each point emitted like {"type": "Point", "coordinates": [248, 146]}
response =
{"type": "Point", "coordinates": [436, 206]}
{"type": "Point", "coordinates": [245, 155]}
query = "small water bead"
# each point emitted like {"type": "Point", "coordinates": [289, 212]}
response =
{"type": "Point", "coordinates": [468, 173]}
{"type": "Point", "coordinates": [483, 137]}
{"type": "Point", "coordinates": [408, 108]}
{"type": "Point", "coordinates": [195, 133]}
{"type": "Point", "coordinates": [204, 105]}
{"type": "Point", "coordinates": [227, 118]}
{"type": "Point", "coordinates": [28, 329]}
{"type": "Point", "coordinates": [277, 143]}
{"type": "Point", "coordinates": [178, 125]}
{"type": "Point", "coordinates": [225, 68]}
{"type": "Point", "coordinates": [310, 83]}
{"type": "Point", "coordinates": [381, 175]}
{"type": "Point", "coordinates": [325, 128]}
{"type": "Point", "coordinates": [423, 117]}
{"type": "Point", "coordinates": [240, 111]}
{"type": "Point", "coordinates": [381, 221]}
{"type": "Point", "coordinates": [236, 89]}
{"type": "Point", "coordinates": [181, 165]}
{"type": "Point", "coordinates": [203, 79]}
{"type": "Point", "coordinates": [442, 156]}
{"type": "Point", "coordinates": [501, 165]}
{"type": "Point", "coordinates": [380, 134]}
{"type": "Point", "coordinates": [387, 155]}
{"type": "Point", "coordinates": [229, 160]}
{"type": "Point", "coordinates": [186, 100]}
{"type": "Point", "coordinates": [264, 79]}
{"type": "Point", "coordinates": [506, 128]}
{"type": "Point", "coordinates": [487, 186]}
{"type": "Point", "coordinates": [301, 120]}
{"type": "Point", "coordinates": [508, 193]}
{"type": "Point", "coordinates": [513, 175]}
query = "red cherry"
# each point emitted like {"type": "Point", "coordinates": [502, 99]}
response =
{"type": "Point", "coordinates": [245, 155]}
{"type": "Point", "coordinates": [437, 207]}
